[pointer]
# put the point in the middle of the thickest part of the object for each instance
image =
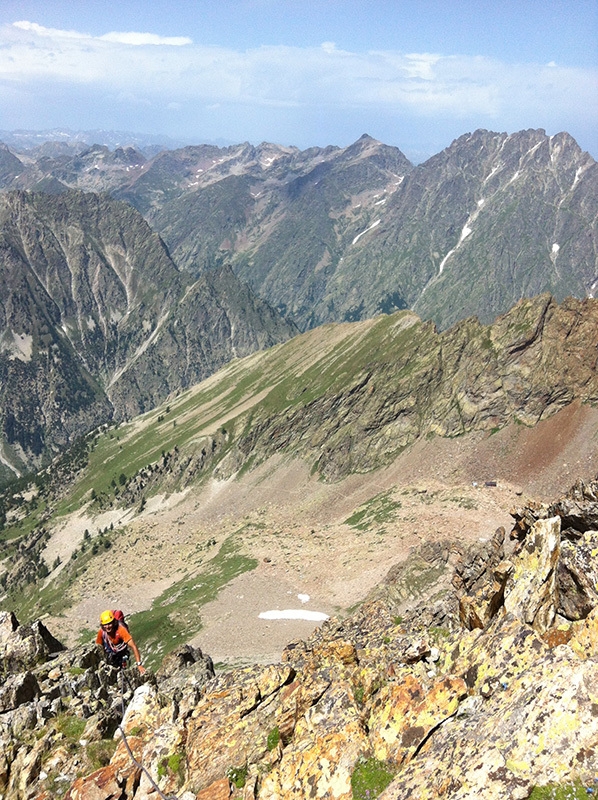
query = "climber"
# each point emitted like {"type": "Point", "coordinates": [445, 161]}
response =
{"type": "Point", "coordinates": [115, 638]}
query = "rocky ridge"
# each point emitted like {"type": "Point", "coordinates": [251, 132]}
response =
{"type": "Point", "coordinates": [470, 672]}
{"type": "Point", "coordinates": [408, 382]}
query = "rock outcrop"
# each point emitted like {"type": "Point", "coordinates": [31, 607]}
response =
{"type": "Point", "coordinates": [461, 677]}
{"type": "Point", "coordinates": [408, 382]}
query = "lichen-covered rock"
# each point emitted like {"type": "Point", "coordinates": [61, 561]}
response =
{"type": "Point", "coordinates": [405, 711]}
{"type": "Point", "coordinates": [531, 595]}
{"type": "Point", "coordinates": [539, 726]}
{"type": "Point", "coordinates": [319, 762]}
{"type": "Point", "coordinates": [230, 726]}
{"type": "Point", "coordinates": [163, 759]}
{"type": "Point", "coordinates": [577, 576]}
{"type": "Point", "coordinates": [583, 636]}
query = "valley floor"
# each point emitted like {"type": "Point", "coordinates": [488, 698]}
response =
{"type": "Point", "coordinates": [332, 542]}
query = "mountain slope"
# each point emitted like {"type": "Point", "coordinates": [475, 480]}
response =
{"type": "Point", "coordinates": [491, 219]}
{"type": "Point", "coordinates": [97, 321]}
{"type": "Point", "coordinates": [353, 404]}
{"type": "Point", "coordinates": [396, 380]}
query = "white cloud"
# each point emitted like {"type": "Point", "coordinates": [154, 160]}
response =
{"type": "Point", "coordinates": [140, 39]}
{"type": "Point", "coordinates": [161, 70]}
{"type": "Point", "coordinates": [53, 33]}
{"type": "Point", "coordinates": [125, 37]}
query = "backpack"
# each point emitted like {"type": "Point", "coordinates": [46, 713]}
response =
{"type": "Point", "coordinates": [118, 615]}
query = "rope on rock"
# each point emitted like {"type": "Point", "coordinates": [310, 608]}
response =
{"type": "Point", "coordinates": [154, 785]}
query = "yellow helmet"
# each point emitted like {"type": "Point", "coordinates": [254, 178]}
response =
{"type": "Point", "coordinates": [106, 617]}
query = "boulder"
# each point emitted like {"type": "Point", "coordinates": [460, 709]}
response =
{"type": "Point", "coordinates": [532, 591]}
{"type": "Point", "coordinates": [106, 783]}
{"type": "Point", "coordinates": [17, 690]}
{"type": "Point", "coordinates": [24, 646]}
{"type": "Point", "coordinates": [477, 611]}
{"type": "Point", "coordinates": [184, 666]}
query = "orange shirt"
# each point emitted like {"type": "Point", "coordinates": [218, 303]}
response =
{"type": "Point", "coordinates": [120, 636]}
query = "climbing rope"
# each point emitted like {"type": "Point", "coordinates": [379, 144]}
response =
{"type": "Point", "coordinates": [129, 751]}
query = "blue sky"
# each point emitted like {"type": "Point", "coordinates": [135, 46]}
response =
{"type": "Point", "coordinates": [412, 73]}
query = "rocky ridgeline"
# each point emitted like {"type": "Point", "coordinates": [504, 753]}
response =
{"type": "Point", "coordinates": [416, 383]}
{"type": "Point", "coordinates": [470, 673]}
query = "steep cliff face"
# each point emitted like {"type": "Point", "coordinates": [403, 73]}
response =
{"type": "Point", "coordinates": [96, 320]}
{"type": "Point", "coordinates": [489, 220]}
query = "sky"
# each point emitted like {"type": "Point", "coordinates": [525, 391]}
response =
{"type": "Point", "coordinates": [415, 74]}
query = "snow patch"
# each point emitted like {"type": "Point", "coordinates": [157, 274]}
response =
{"type": "Point", "coordinates": [555, 248]}
{"type": "Point", "coordinates": [444, 260]}
{"type": "Point", "coordinates": [359, 235]}
{"type": "Point", "coordinates": [465, 232]}
{"type": "Point", "coordinates": [494, 171]}
{"type": "Point", "coordinates": [294, 613]}
{"type": "Point", "coordinates": [305, 598]}
{"type": "Point", "coordinates": [578, 173]}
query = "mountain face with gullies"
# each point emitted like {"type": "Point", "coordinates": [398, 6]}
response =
{"type": "Point", "coordinates": [469, 672]}
{"type": "Point", "coordinates": [96, 321]}
{"type": "Point", "coordinates": [489, 220]}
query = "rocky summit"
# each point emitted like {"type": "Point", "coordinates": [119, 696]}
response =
{"type": "Point", "coordinates": [470, 672]}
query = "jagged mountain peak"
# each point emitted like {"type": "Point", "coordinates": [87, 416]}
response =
{"type": "Point", "coordinates": [368, 147]}
{"type": "Point", "coordinates": [491, 218]}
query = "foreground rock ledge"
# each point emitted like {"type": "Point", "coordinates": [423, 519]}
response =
{"type": "Point", "coordinates": [486, 688]}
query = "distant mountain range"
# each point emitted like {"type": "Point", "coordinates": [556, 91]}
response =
{"type": "Point", "coordinates": [126, 275]}
{"type": "Point", "coordinates": [491, 219]}
{"type": "Point", "coordinates": [24, 140]}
